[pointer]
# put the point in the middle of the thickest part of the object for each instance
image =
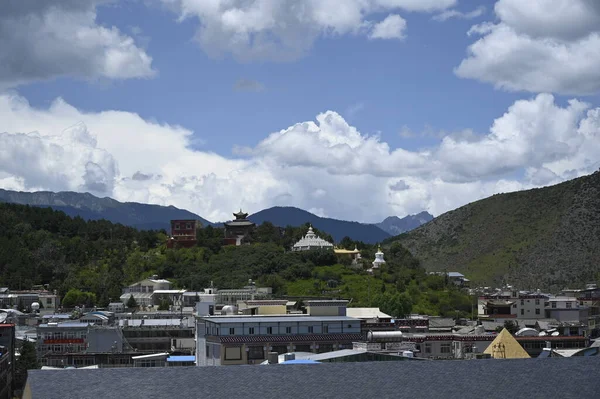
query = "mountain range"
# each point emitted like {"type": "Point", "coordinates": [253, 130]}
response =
{"type": "Point", "coordinates": [146, 216]}
{"type": "Point", "coordinates": [546, 238]}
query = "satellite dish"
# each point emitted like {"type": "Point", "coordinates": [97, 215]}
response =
{"type": "Point", "coordinates": [555, 334]}
{"type": "Point", "coordinates": [543, 334]}
{"type": "Point", "coordinates": [3, 317]}
{"type": "Point", "coordinates": [35, 306]}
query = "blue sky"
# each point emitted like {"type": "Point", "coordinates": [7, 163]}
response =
{"type": "Point", "coordinates": [418, 119]}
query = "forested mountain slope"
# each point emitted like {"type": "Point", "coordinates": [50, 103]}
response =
{"type": "Point", "coordinates": [543, 238]}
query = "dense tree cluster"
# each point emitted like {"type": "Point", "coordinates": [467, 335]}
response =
{"type": "Point", "coordinates": [89, 262]}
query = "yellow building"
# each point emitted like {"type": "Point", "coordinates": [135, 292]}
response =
{"type": "Point", "coordinates": [353, 254]}
{"type": "Point", "coordinates": [505, 346]}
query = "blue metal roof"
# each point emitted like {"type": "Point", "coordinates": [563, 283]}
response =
{"type": "Point", "coordinates": [181, 359]}
{"type": "Point", "coordinates": [300, 361]}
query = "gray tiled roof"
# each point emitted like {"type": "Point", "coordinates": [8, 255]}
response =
{"type": "Point", "coordinates": [441, 322]}
{"type": "Point", "coordinates": [521, 378]}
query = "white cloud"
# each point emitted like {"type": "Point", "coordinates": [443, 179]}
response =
{"type": "Point", "coordinates": [538, 48]}
{"type": "Point", "coordinates": [284, 30]}
{"type": "Point", "coordinates": [449, 14]}
{"type": "Point", "coordinates": [52, 38]}
{"type": "Point", "coordinates": [392, 27]}
{"type": "Point", "coordinates": [325, 165]}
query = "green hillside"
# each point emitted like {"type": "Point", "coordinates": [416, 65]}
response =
{"type": "Point", "coordinates": [544, 238]}
{"type": "Point", "coordinates": [89, 262]}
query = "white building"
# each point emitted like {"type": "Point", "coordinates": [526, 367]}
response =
{"type": "Point", "coordinates": [378, 258]}
{"type": "Point", "coordinates": [311, 241]}
{"type": "Point", "coordinates": [149, 291]}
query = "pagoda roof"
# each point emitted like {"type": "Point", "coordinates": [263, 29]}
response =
{"type": "Point", "coordinates": [240, 215]}
{"type": "Point", "coordinates": [239, 223]}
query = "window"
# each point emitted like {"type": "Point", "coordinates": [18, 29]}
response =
{"type": "Point", "coordinates": [553, 305]}
{"type": "Point", "coordinates": [522, 302]}
{"type": "Point", "coordinates": [310, 329]}
{"type": "Point", "coordinates": [325, 329]}
{"type": "Point", "coordinates": [251, 330]}
{"type": "Point", "coordinates": [232, 331]}
{"type": "Point", "coordinates": [269, 330]}
{"type": "Point", "coordinates": [522, 312]}
{"type": "Point", "coordinates": [537, 301]}
{"type": "Point", "coordinates": [176, 226]}
{"type": "Point", "coordinates": [288, 330]}
{"type": "Point", "coordinates": [256, 353]}
{"type": "Point", "coordinates": [48, 301]}
{"type": "Point", "coordinates": [445, 348]}
{"type": "Point", "coordinates": [537, 311]}
{"type": "Point", "coordinates": [427, 348]}
{"type": "Point", "coordinates": [233, 353]}
{"type": "Point", "coordinates": [515, 306]}
{"type": "Point", "coordinates": [188, 226]}
{"type": "Point", "coordinates": [569, 304]}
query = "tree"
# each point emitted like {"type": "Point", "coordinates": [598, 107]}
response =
{"type": "Point", "coordinates": [26, 361]}
{"type": "Point", "coordinates": [511, 326]}
{"type": "Point", "coordinates": [164, 304]}
{"type": "Point", "coordinates": [75, 297]}
{"type": "Point", "coordinates": [131, 302]}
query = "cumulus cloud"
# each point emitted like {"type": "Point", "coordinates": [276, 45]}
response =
{"type": "Point", "coordinates": [450, 14]}
{"type": "Point", "coordinates": [538, 48]}
{"type": "Point", "coordinates": [325, 165]}
{"type": "Point", "coordinates": [42, 40]}
{"type": "Point", "coordinates": [392, 27]}
{"type": "Point", "coordinates": [283, 30]}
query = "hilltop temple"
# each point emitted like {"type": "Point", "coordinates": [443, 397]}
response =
{"type": "Point", "coordinates": [311, 241]}
{"type": "Point", "coordinates": [238, 230]}
{"type": "Point", "coordinates": [354, 254]}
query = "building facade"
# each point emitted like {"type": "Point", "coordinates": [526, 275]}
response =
{"type": "Point", "coordinates": [232, 340]}
{"type": "Point", "coordinates": [7, 360]}
{"type": "Point", "coordinates": [183, 233]}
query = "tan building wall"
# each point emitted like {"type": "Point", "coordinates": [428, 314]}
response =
{"type": "Point", "coordinates": [323, 310]}
{"type": "Point", "coordinates": [271, 309]}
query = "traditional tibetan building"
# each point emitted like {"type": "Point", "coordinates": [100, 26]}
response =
{"type": "Point", "coordinates": [311, 241]}
{"type": "Point", "coordinates": [353, 254]}
{"type": "Point", "coordinates": [238, 230]}
{"type": "Point", "coordinates": [183, 233]}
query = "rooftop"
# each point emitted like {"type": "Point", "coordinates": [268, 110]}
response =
{"type": "Point", "coordinates": [523, 378]}
{"type": "Point", "coordinates": [275, 319]}
{"type": "Point", "coordinates": [366, 313]}
{"type": "Point", "coordinates": [311, 240]}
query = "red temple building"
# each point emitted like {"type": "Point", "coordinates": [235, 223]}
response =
{"type": "Point", "coordinates": [183, 233]}
{"type": "Point", "coordinates": [237, 230]}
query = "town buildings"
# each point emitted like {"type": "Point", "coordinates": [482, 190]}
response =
{"type": "Point", "coordinates": [150, 291]}
{"type": "Point", "coordinates": [23, 299]}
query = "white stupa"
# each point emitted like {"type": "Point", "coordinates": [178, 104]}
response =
{"type": "Point", "coordinates": [311, 241]}
{"type": "Point", "coordinates": [378, 258]}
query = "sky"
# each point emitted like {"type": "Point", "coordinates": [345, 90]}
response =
{"type": "Point", "coordinates": [351, 109]}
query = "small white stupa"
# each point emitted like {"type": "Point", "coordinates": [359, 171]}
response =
{"type": "Point", "coordinates": [378, 258]}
